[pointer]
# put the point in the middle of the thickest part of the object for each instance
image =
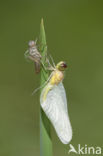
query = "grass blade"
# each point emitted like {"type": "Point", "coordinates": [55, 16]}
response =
{"type": "Point", "coordinates": [45, 136]}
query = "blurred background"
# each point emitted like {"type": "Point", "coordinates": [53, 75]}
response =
{"type": "Point", "coordinates": [74, 31]}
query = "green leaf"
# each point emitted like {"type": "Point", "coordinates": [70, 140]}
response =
{"type": "Point", "coordinates": [45, 136]}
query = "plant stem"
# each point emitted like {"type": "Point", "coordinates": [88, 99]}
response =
{"type": "Point", "coordinates": [45, 137]}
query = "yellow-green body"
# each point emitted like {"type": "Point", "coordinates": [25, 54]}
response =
{"type": "Point", "coordinates": [56, 77]}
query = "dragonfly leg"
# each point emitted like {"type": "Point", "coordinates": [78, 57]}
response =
{"type": "Point", "coordinates": [50, 68]}
{"type": "Point", "coordinates": [26, 53]}
{"type": "Point", "coordinates": [52, 60]}
{"type": "Point", "coordinates": [42, 85]}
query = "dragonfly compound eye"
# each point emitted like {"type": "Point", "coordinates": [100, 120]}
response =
{"type": "Point", "coordinates": [64, 65]}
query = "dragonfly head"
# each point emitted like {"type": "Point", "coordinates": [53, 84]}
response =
{"type": "Point", "coordinates": [31, 43]}
{"type": "Point", "coordinates": [61, 66]}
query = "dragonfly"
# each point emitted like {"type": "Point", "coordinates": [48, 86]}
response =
{"type": "Point", "coordinates": [33, 54]}
{"type": "Point", "coordinates": [54, 103]}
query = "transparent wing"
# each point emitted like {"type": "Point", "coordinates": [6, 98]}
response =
{"type": "Point", "coordinates": [55, 107]}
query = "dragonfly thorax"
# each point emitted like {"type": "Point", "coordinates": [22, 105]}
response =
{"type": "Point", "coordinates": [57, 77]}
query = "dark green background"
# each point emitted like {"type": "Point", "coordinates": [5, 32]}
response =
{"type": "Point", "coordinates": [74, 30]}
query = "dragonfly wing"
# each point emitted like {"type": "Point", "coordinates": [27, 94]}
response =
{"type": "Point", "coordinates": [55, 107]}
